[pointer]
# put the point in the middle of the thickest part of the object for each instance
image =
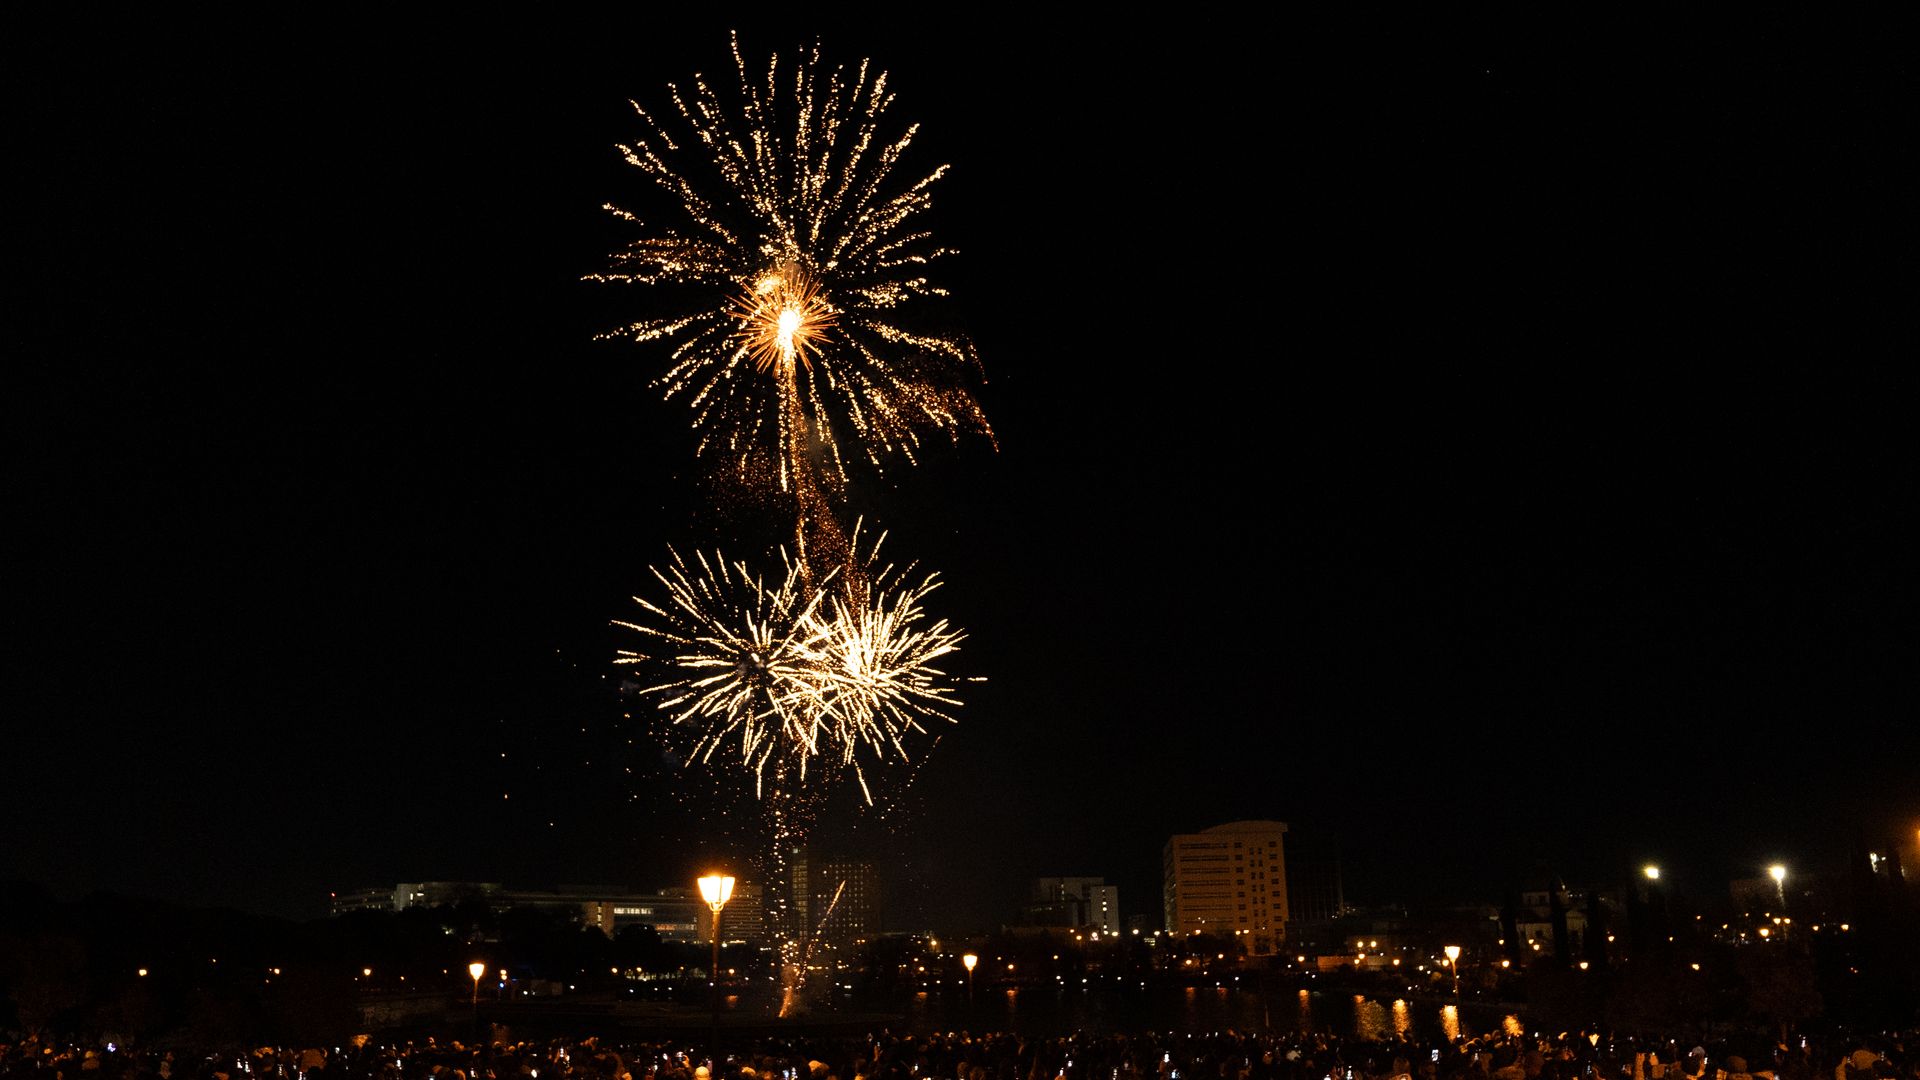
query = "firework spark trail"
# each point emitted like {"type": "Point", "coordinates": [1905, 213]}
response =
{"type": "Point", "coordinates": [798, 955]}
{"type": "Point", "coordinates": [811, 263]}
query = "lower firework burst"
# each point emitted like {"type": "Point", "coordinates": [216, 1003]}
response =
{"type": "Point", "coordinates": [738, 659]}
{"type": "Point", "coordinates": [881, 647]}
{"type": "Point", "coordinates": [837, 672]}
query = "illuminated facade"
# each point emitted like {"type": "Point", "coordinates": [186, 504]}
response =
{"type": "Point", "coordinates": [435, 893]}
{"type": "Point", "coordinates": [1075, 902]}
{"type": "Point", "coordinates": [676, 914]}
{"type": "Point", "coordinates": [816, 881]}
{"type": "Point", "coordinates": [375, 899]}
{"type": "Point", "coordinates": [1232, 880]}
{"type": "Point", "coordinates": [745, 917]}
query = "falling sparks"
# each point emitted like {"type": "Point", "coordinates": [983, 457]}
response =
{"type": "Point", "coordinates": [804, 268]}
{"type": "Point", "coordinates": [785, 673]}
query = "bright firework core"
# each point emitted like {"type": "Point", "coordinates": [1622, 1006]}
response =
{"type": "Point", "coordinates": [783, 318]}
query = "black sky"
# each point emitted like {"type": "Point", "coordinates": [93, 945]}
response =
{"type": "Point", "coordinates": [1489, 444]}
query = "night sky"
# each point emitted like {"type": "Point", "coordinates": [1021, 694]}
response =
{"type": "Point", "coordinates": [1491, 449]}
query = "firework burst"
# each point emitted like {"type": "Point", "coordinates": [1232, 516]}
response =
{"type": "Point", "coordinates": [804, 264]}
{"type": "Point", "coordinates": [739, 659]}
{"type": "Point", "coordinates": [880, 651]}
{"type": "Point", "coordinates": [793, 274]}
{"type": "Point", "coordinates": [787, 673]}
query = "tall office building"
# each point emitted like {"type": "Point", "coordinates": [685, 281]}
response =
{"type": "Point", "coordinates": [744, 918]}
{"type": "Point", "coordinates": [1231, 880]}
{"type": "Point", "coordinates": [1075, 902]}
{"type": "Point", "coordinates": [837, 899]}
{"type": "Point", "coordinates": [1315, 895]}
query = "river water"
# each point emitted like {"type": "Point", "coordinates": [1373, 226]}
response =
{"type": "Point", "coordinates": [1042, 1011]}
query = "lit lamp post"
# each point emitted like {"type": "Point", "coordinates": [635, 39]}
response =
{"type": "Point", "coordinates": [1655, 920]}
{"type": "Point", "coordinates": [476, 969]}
{"type": "Point", "coordinates": [716, 890]}
{"type": "Point", "coordinates": [970, 960]}
{"type": "Point", "coordinates": [1779, 875]}
{"type": "Point", "coordinates": [1453, 961]}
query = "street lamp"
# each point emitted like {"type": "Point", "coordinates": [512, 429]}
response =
{"type": "Point", "coordinates": [1779, 875]}
{"type": "Point", "coordinates": [716, 890]}
{"type": "Point", "coordinates": [476, 969]}
{"type": "Point", "coordinates": [1652, 872]}
{"type": "Point", "coordinates": [970, 960]}
{"type": "Point", "coordinates": [1453, 961]}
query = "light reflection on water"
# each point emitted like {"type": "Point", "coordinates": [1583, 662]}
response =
{"type": "Point", "coordinates": [1045, 1011]}
{"type": "Point", "coordinates": [1369, 1019]}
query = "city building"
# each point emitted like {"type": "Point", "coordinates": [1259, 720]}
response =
{"type": "Point", "coordinates": [744, 918]}
{"type": "Point", "coordinates": [835, 899]}
{"type": "Point", "coordinates": [1315, 894]}
{"type": "Point", "coordinates": [1229, 880]}
{"type": "Point", "coordinates": [373, 899]}
{"type": "Point", "coordinates": [1547, 919]}
{"type": "Point", "coordinates": [1075, 903]}
{"type": "Point", "coordinates": [676, 914]}
{"type": "Point", "coordinates": [436, 893]}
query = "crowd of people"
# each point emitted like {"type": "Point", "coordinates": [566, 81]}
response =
{"type": "Point", "coordinates": [1002, 1056]}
